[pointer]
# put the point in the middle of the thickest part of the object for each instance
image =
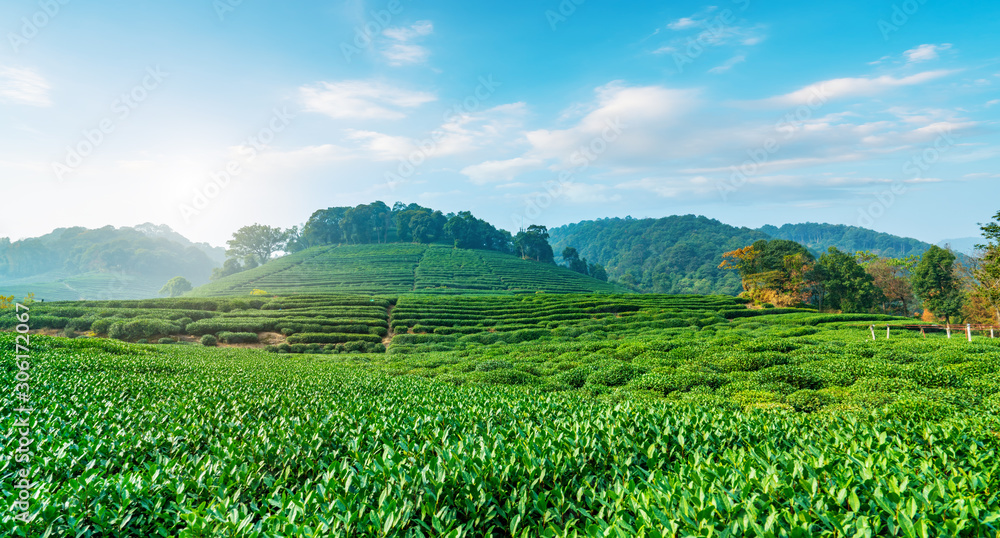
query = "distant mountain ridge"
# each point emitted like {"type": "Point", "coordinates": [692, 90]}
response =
{"type": "Point", "coordinates": [820, 237]}
{"type": "Point", "coordinates": [681, 254]}
{"type": "Point", "coordinates": [103, 263]}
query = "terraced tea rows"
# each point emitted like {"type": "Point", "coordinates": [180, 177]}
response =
{"type": "Point", "coordinates": [398, 268]}
{"type": "Point", "coordinates": [301, 323]}
{"type": "Point", "coordinates": [187, 441]}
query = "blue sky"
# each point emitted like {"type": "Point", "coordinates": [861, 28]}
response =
{"type": "Point", "coordinates": [209, 115]}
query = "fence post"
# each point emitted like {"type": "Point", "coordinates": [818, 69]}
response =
{"type": "Point", "coordinates": [922, 333]}
{"type": "Point", "coordinates": [991, 332]}
{"type": "Point", "coordinates": [872, 327]}
{"type": "Point", "coordinates": [947, 329]}
{"type": "Point", "coordinates": [886, 332]}
{"type": "Point", "coordinates": [968, 331]}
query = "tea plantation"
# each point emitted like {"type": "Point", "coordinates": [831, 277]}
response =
{"type": "Point", "coordinates": [516, 415]}
{"type": "Point", "coordinates": [392, 269]}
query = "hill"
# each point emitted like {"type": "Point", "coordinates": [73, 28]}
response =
{"type": "Point", "coordinates": [962, 245]}
{"type": "Point", "coordinates": [105, 263]}
{"type": "Point", "coordinates": [678, 254]}
{"type": "Point", "coordinates": [681, 254]}
{"type": "Point", "coordinates": [820, 237]}
{"type": "Point", "coordinates": [397, 268]}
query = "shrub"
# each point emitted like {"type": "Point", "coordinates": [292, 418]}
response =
{"type": "Point", "coordinates": [918, 408]}
{"type": "Point", "coordinates": [334, 338]}
{"type": "Point", "coordinates": [504, 376]}
{"type": "Point", "coordinates": [809, 401]}
{"type": "Point", "coordinates": [238, 338]}
{"type": "Point", "coordinates": [576, 378]}
{"type": "Point", "coordinates": [140, 328]}
{"type": "Point", "coordinates": [615, 375]}
{"type": "Point", "coordinates": [797, 376]}
{"type": "Point", "coordinates": [166, 341]}
{"type": "Point", "coordinates": [209, 340]}
{"type": "Point", "coordinates": [493, 364]}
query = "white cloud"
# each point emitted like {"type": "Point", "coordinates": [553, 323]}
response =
{"type": "Point", "coordinates": [992, 102]}
{"type": "Point", "coordinates": [683, 23]}
{"type": "Point", "coordinates": [497, 171]}
{"type": "Point", "coordinates": [849, 87]}
{"type": "Point", "coordinates": [638, 114]}
{"type": "Point", "coordinates": [419, 29]}
{"type": "Point", "coordinates": [728, 64]}
{"type": "Point", "coordinates": [925, 52]}
{"type": "Point", "coordinates": [382, 146]}
{"type": "Point", "coordinates": [361, 99]}
{"type": "Point", "coordinates": [462, 133]}
{"type": "Point", "coordinates": [400, 54]}
{"type": "Point", "coordinates": [23, 87]}
{"type": "Point", "coordinates": [402, 51]}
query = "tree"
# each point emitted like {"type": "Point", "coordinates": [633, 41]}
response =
{"type": "Point", "coordinates": [257, 242]}
{"type": "Point", "coordinates": [573, 261]}
{"type": "Point", "coordinates": [776, 271]}
{"type": "Point", "coordinates": [892, 278]}
{"type": "Point", "coordinates": [230, 267]}
{"type": "Point", "coordinates": [935, 283]}
{"type": "Point", "coordinates": [597, 271]}
{"type": "Point", "coordinates": [324, 227]}
{"type": "Point", "coordinates": [533, 243]}
{"type": "Point", "coordinates": [984, 270]}
{"type": "Point", "coordinates": [846, 285]}
{"type": "Point", "coordinates": [176, 287]}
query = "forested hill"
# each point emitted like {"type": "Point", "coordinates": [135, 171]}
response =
{"type": "Point", "coordinates": [678, 254]}
{"type": "Point", "coordinates": [681, 254]}
{"type": "Point", "coordinates": [105, 263]}
{"type": "Point", "coordinates": [820, 237]}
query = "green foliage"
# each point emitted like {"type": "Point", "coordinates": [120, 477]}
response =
{"type": "Point", "coordinates": [238, 338]}
{"type": "Point", "coordinates": [176, 287]}
{"type": "Point", "coordinates": [845, 284]}
{"type": "Point", "coordinates": [209, 340]}
{"type": "Point", "coordinates": [935, 283]}
{"type": "Point", "coordinates": [256, 242]}
{"type": "Point", "coordinates": [140, 328]}
{"type": "Point", "coordinates": [228, 428]}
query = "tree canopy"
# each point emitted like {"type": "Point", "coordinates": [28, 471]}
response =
{"type": "Point", "coordinates": [935, 282]}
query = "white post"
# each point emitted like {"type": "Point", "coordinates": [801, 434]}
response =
{"type": "Point", "coordinates": [886, 332]}
{"type": "Point", "coordinates": [968, 331]}
{"type": "Point", "coordinates": [991, 332]}
{"type": "Point", "coordinates": [947, 329]}
{"type": "Point", "coordinates": [872, 327]}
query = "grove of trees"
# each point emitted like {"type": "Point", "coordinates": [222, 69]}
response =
{"type": "Point", "coordinates": [376, 222]}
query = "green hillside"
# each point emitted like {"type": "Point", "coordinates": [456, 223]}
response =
{"type": "Point", "coordinates": [107, 263]}
{"type": "Point", "coordinates": [397, 268]}
{"type": "Point", "coordinates": [820, 237]}
{"type": "Point", "coordinates": [681, 254]}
